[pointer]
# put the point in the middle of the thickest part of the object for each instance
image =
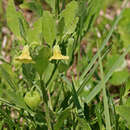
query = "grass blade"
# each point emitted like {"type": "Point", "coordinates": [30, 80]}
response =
{"type": "Point", "coordinates": [76, 99]}
{"type": "Point", "coordinates": [89, 75]}
{"type": "Point", "coordinates": [103, 45]}
{"type": "Point", "coordinates": [98, 87]}
{"type": "Point", "coordinates": [105, 99]}
{"type": "Point", "coordinates": [75, 96]}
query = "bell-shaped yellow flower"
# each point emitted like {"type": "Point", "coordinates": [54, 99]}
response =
{"type": "Point", "coordinates": [25, 56]}
{"type": "Point", "coordinates": [57, 54]}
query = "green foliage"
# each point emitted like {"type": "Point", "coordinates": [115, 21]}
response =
{"type": "Point", "coordinates": [83, 125]}
{"type": "Point", "coordinates": [34, 6]}
{"type": "Point", "coordinates": [6, 76]}
{"type": "Point", "coordinates": [110, 62]}
{"type": "Point", "coordinates": [88, 15]}
{"type": "Point", "coordinates": [124, 111]}
{"type": "Point", "coordinates": [119, 77]}
{"type": "Point", "coordinates": [61, 117]}
{"type": "Point", "coordinates": [42, 59]}
{"type": "Point", "coordinates": [62, 67]}
{"type": "Point", "coordinates": [121, 74]}
{"type": "Point", "coordinates": [98, 88]}
{"type": "Point", "coordinates": [124, 27]}
{"type": "Point", "coordinates": [28, 72]}
{"type": "Point", "coordinates": [13, 20]}
{"type": "Point", "coordinates": [34, 34]}
{"type": "Point", "coordinates": [70, 48]}
{"type": "Point", "coordinates": [48, 27]}
{"type": "Point", "coordinates": [15, 98]}
{"type": "Point", "coordinates": [65, 93]}
{"type": "Point", "coordinates": [51, 3]}
{"type": "Point", "coordinates": [69, 15]}
{"type": "Point", "coordinates": [127, 88]}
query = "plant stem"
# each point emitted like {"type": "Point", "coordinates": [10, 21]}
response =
{"type": "Point", "coordinates": [57, 9]}
{"type": "Point", "coordinates": [79, 58]}
{"type": "Point", "coordinates": [48, 117]}
{"type": "Point", "coordinates": [45, 99]}
{"type": "Point", "coordinates": [63, 5]}
{"type": "Point", "coordinates": [53, 72]}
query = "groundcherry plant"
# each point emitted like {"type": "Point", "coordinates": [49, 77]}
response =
{"type": "Point", "coordinates": [44, 85]}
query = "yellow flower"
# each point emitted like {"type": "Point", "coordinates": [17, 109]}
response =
{"type": "Point", "coordinates": [57, 54]}
{"type": "Point", "coordinates": [25, 56]}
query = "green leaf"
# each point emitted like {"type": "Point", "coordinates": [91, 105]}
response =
{"type": "Point", "coordinates": [60, 27]}
{"type": "Point", "coordinates": [29, 72]}
{"type": "Point", "coordinates": [128, 101]}
{"type": "Point", "coordinates": [88, 14]}
{"type": "Point", "coordinates": [22, 28]}
{"type": "Point", "coordinates": [119, 77]}
{"type": "Point", "coordinates": [83, 125]}
{"type": "Point", "coordinates": [124, 112]}
{"type": "Point", "coordinates": [71, 27]}
{"type": "Point", "coordinates": [48, 72]}
{"type": "Point", "coordinates": [62, 116]}
{"type": "Point", "coordinates": [6, 76]}
{"type": "Point", "coordinates": [13, 98]}
{"type": "Point", "coordinates": [127, 87]}
{"type": "Point", "coordinates": [34, 33]}
{"type": "Point", "coordinates": [51, 3]}
{"type": "Point", "coordinates": [124, 27]}
{"type": "Point", "coordinates": [110, 61]}
{"type": "Point", "coordinates": [120, 74]}
{"type": "Point", "coordinates": [13, 19]}
{"type": "Point", "coordinates": [62, 67]}
{"type": "Point", "coordinates": [70, 48]}
{"type": "Point", "coordinates": [69, 15]}
{"type": "Point", "coordinates": [48, 27]}
{"type": "Point", "coordinates": [42, 60]}
{"type": "Point", "coordinates": [34, 6]}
